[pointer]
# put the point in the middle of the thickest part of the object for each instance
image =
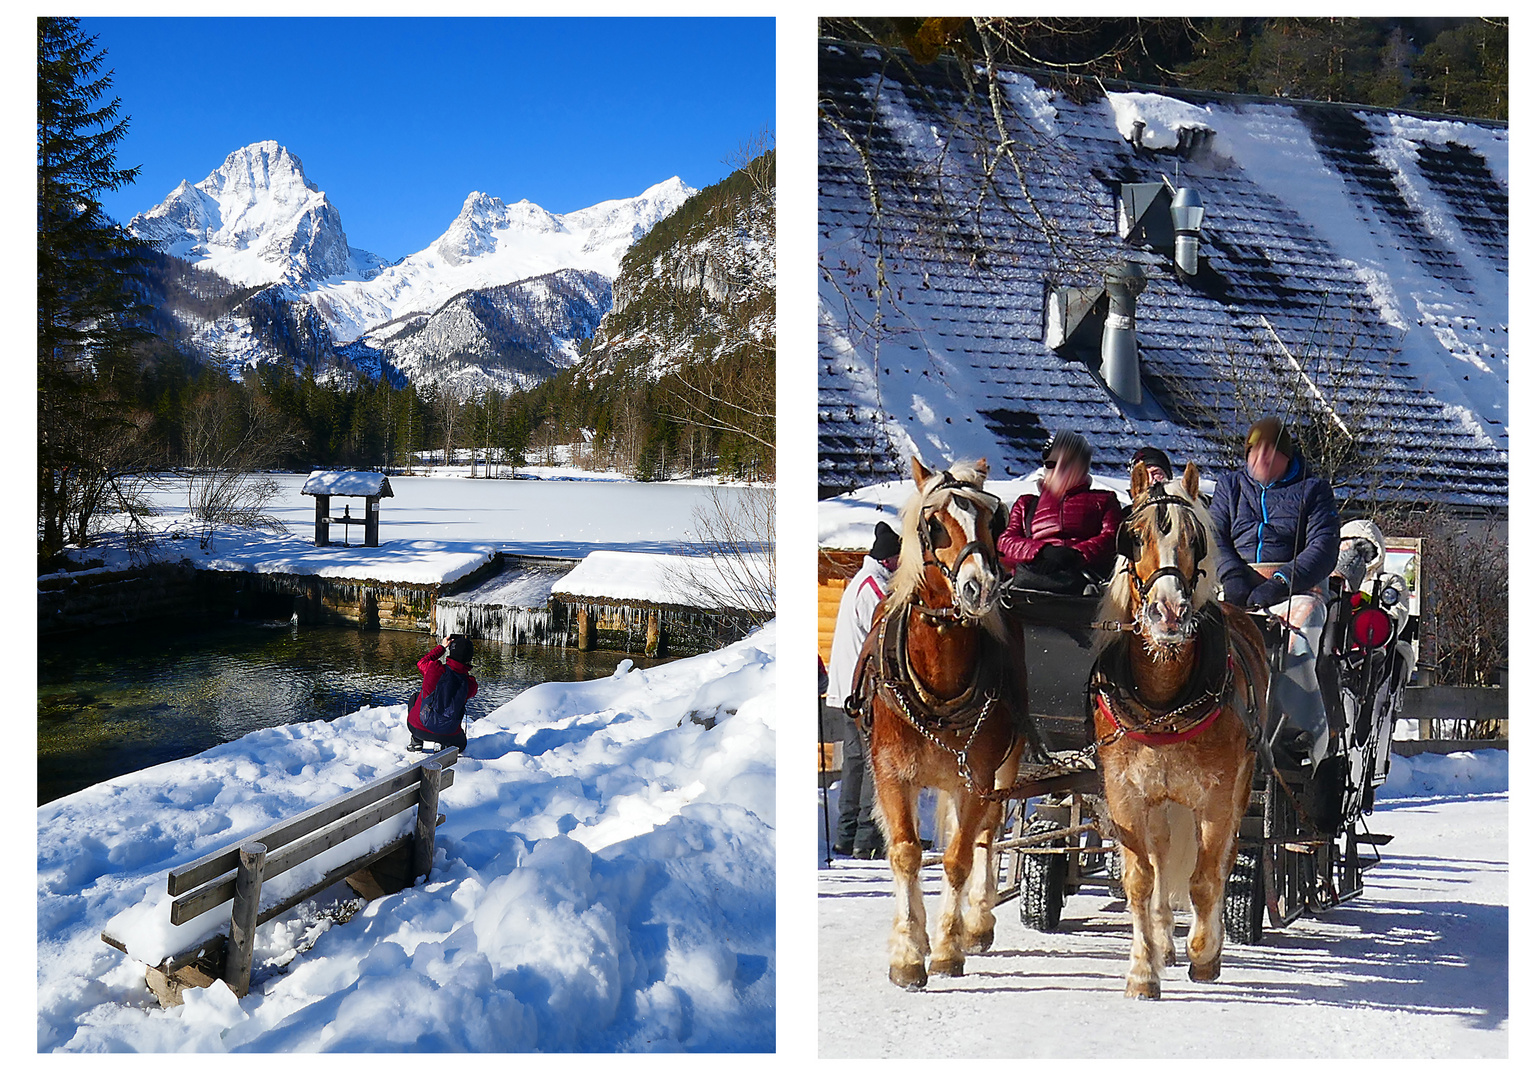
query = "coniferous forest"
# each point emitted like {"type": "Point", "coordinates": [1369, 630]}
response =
{"type": "Point", "coordinates": [1453, 65]}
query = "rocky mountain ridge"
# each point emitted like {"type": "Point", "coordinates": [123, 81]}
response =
{"type": "Point", "coordinates": [259, 223]}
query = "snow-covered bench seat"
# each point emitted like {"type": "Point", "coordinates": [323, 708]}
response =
{"type": "Point", "coordinates": [203, 889]}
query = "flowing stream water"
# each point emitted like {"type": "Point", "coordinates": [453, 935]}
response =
{"type": "Point", "coordinates": [115, 701]}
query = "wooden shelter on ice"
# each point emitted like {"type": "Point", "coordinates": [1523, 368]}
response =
{"type": "Point", "coordinates": [327, 484]}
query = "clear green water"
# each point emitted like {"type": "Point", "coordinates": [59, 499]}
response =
{"type": "Point", "coordinates": [114, 701]}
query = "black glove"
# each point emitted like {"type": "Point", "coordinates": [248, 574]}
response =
{"type": "Point", "coordinates": [1049, 560]}
{"type": "Point", "coordinates": [1267, 593]}
{"type": "Point", "coordinates": [1237, 587]}
{"type": "Point", "coordinates": [1069, 558]}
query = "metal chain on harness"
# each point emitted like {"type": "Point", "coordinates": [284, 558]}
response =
{"type": "Point", "coordinates": [909, 717]}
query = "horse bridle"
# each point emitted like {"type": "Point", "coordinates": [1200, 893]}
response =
{"type": "Point", "coordinates": [928, 546]}
{"type": "Point", "coordinates": [1127, 538]}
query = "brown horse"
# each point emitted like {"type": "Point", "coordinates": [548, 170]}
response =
{"type": "Point", "coordinates": [941, 678]}
{"type": "Point", "coordinates": [1176, 693]}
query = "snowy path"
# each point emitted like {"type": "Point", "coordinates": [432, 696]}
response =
{"type": "Point", "coordinates": [1415, 967]}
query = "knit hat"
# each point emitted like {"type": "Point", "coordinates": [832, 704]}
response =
{"type": "Point", "coordinates": [885, 542]}
{"type": "Point", "coordinates": [460, 648]}
{"type": "Point", "coordinates": [1270, 430]}
{"type": "Point", "coordinates": [1151, 457]}
{"type": "Point", "coordinates": [1066, 443]}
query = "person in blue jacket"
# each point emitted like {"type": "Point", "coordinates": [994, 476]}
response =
{"type": "Point", "coordinates": [1278, 537]}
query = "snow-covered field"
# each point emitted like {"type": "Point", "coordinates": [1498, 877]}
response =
{"type": "Point", "coordinates": [1418, 966]}
{"type": "Point", "coordinates": [438, 528]}
{"type": "Point", "coordinates": [604, 881]}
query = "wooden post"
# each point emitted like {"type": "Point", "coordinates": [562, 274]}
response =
{"type": "Point", "coordinates": [652, 634]}
{"type": "Point", "coordinates": [371, 538]}
{"type": "Point", "coordinates": [321, 522]}
{"type": "Point", "coordinates": [247, 905]}
{"type": "Point", "coordinates": [425, 818]}
{"type": "Point", "coordinates": [584, 629]}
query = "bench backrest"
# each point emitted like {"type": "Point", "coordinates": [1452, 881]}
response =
{"type": "Point", "coordinates": [209, 881]}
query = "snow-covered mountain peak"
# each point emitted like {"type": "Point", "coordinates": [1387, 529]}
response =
{"type": "Point", "coordinates": [260, 171]}
{"type": "Point", "coordinates": [255, 220]}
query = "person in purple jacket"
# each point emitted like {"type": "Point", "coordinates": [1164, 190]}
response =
{"type": "Point", "coordinates": [436, 712]}
{"type": "Point", "coordinates": [1278, 537]}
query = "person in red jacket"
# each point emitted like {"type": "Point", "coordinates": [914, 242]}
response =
{"type": "Point", "coordinates": [1063, 538]}
{"type": "Point", "coordinates": [436, 712]}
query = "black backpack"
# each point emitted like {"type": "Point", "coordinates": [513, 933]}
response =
{"type": "Point", "coordinates": [441, 711]}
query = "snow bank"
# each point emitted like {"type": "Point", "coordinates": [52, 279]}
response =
{"type": "Point", "coordinates": [604, 881]}
{"type": "Point", "coordinates": [1477, 772]}
{"type": "Point", "coordinates": [655, 579]}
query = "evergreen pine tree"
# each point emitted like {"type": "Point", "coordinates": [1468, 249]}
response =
{"type": "Point", "coordinates": [87, 306]}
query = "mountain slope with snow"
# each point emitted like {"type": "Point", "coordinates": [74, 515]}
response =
{"type": "Point", "coordinates": [508, 336]}
{"type": "Point", "coordinates": [698, 289]}
{"type": "Point", "coordinates": [491, 243]}
{"type": "Point", "coordinates": [258, 222]}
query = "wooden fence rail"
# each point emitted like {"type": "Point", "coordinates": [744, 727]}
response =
{"type": "Point", "coordinates": [239, 871]}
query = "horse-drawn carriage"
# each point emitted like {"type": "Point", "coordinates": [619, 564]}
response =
{"type": "Point", "coordinates": [1129, 739]}
{"type": "Point", "coordinates": [1302, 844]}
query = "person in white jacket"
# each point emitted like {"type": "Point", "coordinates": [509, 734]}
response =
{"type": "Point", "coordinates": [856, 833]}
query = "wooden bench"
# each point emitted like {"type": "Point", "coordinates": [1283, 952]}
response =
{"type": "Point", "coordinates": [238, 871]}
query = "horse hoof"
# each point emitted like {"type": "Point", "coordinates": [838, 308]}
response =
{"type": "Point", "coordinates": [909, 976]}
{"type": "Point", "coordinates": [1142, 991]}
{"type": "Point", "coordinates": [1207, 972]}
{"type": "Point", "coordinates": [952, 967]}
{"type": "Point", "coordinates": [979, 942]}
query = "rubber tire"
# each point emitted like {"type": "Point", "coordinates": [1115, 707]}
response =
{"type": "Point", "coordinates": [1042, 884]}
{"type": "Point", "coordinates": [1244, 899]}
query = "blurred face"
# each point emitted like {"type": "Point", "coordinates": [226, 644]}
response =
{"type": "Point", "coordinates": [1265, 462]}
{"type": "Point", "coordinates": [1062, 472]}
{"type": "Point", "coordinates": [1157, 475]}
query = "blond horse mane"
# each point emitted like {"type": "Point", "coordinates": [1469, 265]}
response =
{"type": "Point", "coordinates": [1117, 604]}
{"type": "Point", "coordinates": [901, 586]}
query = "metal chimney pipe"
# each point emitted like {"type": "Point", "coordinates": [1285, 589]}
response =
{"type": "Point", "coordinates": [1119, 344]}
{"type": "Point", "coordinates": [1186, 216]}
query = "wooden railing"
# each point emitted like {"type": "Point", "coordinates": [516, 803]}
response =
{"type": "Point", "coordinates": [239, 871]}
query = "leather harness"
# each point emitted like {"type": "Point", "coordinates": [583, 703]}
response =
{"type": "Point", "coordinates": [883, 668]}
{"type": "Point", "coordinates": [1206, 694]}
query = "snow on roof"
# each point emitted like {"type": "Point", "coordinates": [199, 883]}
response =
{"type": "Point", "coordinates": [1367, 249]}
{"type": "Point", "coordinates": [637, 577]}
{"type": "Point", "coordinates": [353, 484]}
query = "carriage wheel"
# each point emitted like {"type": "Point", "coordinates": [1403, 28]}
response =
{"type": "Point", "coordinates": [1244, 898]}
{"type": "Point", "coordinates": [1114, 870]}
{"type": "Point", "coordinates": [1042, 882]}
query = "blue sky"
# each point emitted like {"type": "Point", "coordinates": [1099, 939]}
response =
{"type": "Point", "coordinates": [397, 120]}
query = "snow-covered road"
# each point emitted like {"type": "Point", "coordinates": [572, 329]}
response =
{"type": "Point", "coordinates": [1415, 967]}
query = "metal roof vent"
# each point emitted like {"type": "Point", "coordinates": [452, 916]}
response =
{"type": "Point", "coordinates": [1186, 216]}
{"type": "Point", "coordinates": [1164, 218]}
{"type": "Point", "coordinates": [1119, 343]}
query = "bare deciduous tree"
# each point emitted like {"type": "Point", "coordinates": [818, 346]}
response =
{"type": "Point", "coordinates": [738, 532]}
{"type": "Point", "coordinates": [230, 434]}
